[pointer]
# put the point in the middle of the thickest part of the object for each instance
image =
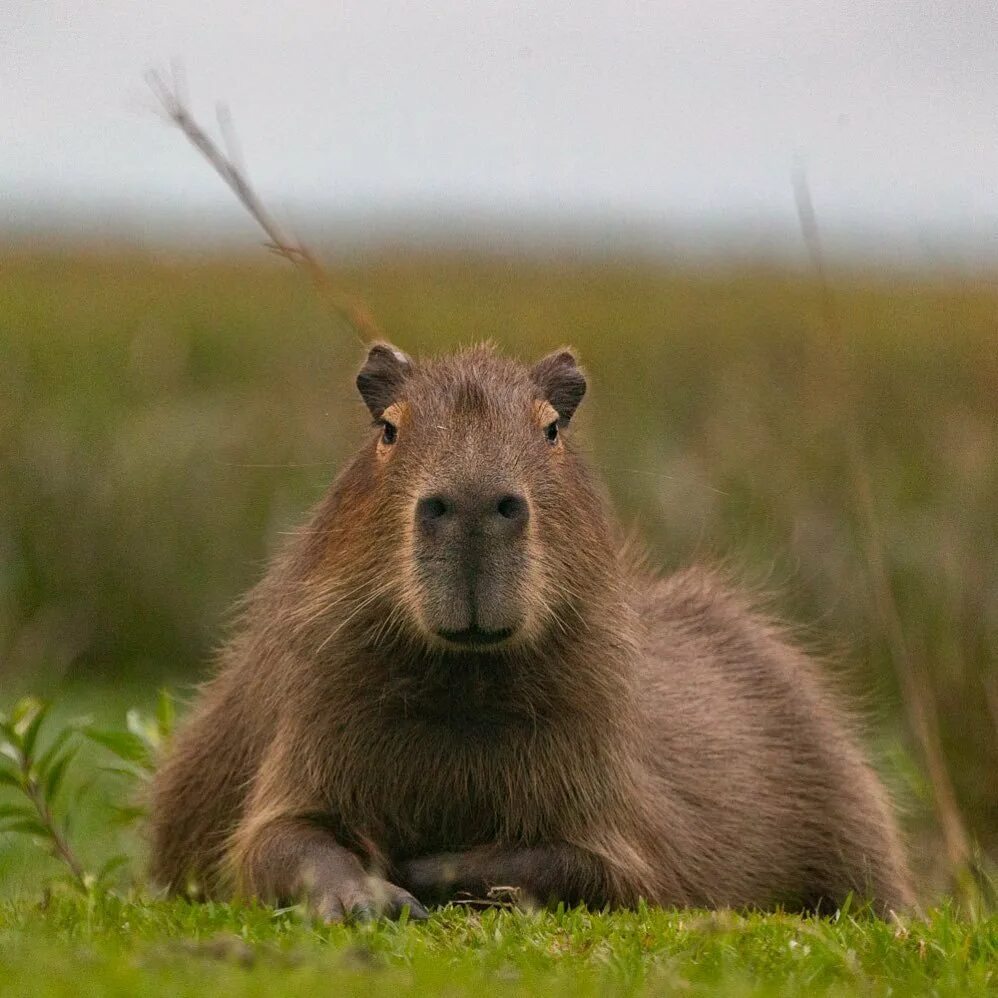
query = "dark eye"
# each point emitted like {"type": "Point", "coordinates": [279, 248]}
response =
{"type": "Point", "coordinates": [389, 433]}
{"type": "Point", "coordinates": [551, 432]}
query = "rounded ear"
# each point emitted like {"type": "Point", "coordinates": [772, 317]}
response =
{"type": "Point", "coordinates": [381, 377]}
{"type": "Point", "coordinates": [561, 382]}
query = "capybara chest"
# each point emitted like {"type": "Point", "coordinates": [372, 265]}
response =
{"type": "Point", "coordinates": [450, 785]}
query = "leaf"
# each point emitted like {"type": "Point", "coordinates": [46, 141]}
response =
{"type": "Point", "coordinates": [139, 725]}
{"type": "Point", "coordinates": [69, 879]}
{"type": "Point", "coordinates": [146, 730]}
{"type": "Point", "coordinates": [15, 811]}
{"type": "Point", "coordinates": [125, 815]}
{"type": "Point", "coordinates": [48, 757]}
{"type": "Point", "coordinates": [124, 744]}
{"type": "Point", "coordinates": [11, 737]}
{"type": "Point", "coordinates": [166, 714]}
{"type": "Point", "coordinates": [53, 778]}
{"type": "Point", "coordinates": [29, 826]}
{"type": "Point", "coordinates": [9, 779]}
{"type": "Point", "coordinates": [23, 711]}
{"type": "Point", "coordinates": [32, 726]}
{"type": "Point", "coordinates": [114, 863]}
{"type": "Point", "coordinates": [132, 772]}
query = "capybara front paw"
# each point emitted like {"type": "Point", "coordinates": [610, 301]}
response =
{"type": "Point", "coordinates": [365, 900]}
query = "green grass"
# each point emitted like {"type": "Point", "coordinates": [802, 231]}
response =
{"type": "Point", "coordinates": [115, 947]}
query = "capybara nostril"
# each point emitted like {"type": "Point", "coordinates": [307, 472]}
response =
{"type": "Point", "coordinates": [431, 509]}
{"type": "Point", "coordinates": [513, 507]}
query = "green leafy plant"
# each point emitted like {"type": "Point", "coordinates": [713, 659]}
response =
{"type": "Point", "coordinates": [137, 749]}
{"type": "Point", "coordinates": [36, 772]}
{"type": "Point", "coordinates": [37, 775]}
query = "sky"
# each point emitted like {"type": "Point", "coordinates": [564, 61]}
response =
{"type": "Point", "coordinates": [690, 115]}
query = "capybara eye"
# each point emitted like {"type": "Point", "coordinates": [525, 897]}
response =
{"type": "Point", "coordinates": [389, 433]}
{"type": "Point", "coordinates": [551, 432]}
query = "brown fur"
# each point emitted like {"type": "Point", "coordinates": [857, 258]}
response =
{"type": "Point", "coordinates": [636, 738]}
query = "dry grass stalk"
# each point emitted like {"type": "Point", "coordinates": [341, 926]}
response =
{"type": "Point", "coordinates": [227, 166]}
{"type": "Point", "coordinates": [916, 688]}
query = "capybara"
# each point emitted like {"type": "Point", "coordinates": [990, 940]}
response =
{"type": "Point", "coordinates": [456, 676]}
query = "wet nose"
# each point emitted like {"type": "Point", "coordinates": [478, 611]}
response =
{"type": "Point", "coordinates": [499, 514]}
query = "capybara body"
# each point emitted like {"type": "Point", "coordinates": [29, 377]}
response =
{"type": "Point", "coordinates": [456, 677]}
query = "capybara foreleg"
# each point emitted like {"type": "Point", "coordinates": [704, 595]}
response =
{"type": "Point", "coordinates": [294, 860]}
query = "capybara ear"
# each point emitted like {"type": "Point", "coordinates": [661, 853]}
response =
{"type": "Point", "coordinates": [561, 381]}
{"type": "Point", "coordinates": [382, 376]}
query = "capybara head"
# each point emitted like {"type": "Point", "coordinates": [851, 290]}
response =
{"type": "Point", "coordinates": [485, 518]}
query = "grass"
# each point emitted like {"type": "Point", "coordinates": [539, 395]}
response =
{"type": "Point", "coordinates": [124, 947]}
{"type": "Point", "coordinates": [164, 421]}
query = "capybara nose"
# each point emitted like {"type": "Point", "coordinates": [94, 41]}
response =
{"type": "Point", "coordinates": [499, 514]}
{"type": "Point", "coordinates": [431, 511]}
{"type": "Point", "coordinates": [513, 512]}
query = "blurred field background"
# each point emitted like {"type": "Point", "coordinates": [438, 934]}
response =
{"type": "Point", "coordinates": [164, 419]}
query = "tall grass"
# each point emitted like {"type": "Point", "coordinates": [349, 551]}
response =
{"type": "Point", "coordinates": [163, 421]}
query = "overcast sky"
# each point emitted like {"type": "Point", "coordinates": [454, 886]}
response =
{"type": "Point", "coordinates": [680, 111]}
